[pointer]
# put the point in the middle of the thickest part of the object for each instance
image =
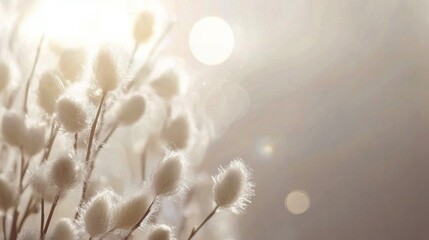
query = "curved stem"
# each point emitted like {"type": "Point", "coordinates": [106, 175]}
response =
{"type": "Point", "coordinates": [141, 220]}
{"type": "Point", "coordinates": [36, 59]}
{"type": "Point", "coordinates": [194, 231]}
{"type": "Point", "coordinates": [88, 155]}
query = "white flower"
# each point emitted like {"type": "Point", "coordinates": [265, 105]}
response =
{"type": "Point", "coordinates": [232, 187]}
{"type": "Point", "coordinates": [130, 210]}
{"type": "Point", "coordinates": [131, 109]}
{"type": "Point", "coordinates": [71, 114]}
{"type": "Point", "coordinates": [106, 71]}
{"type": "Point", "coordinates": [14, 128]}
{"type": "Point", "coordinates": [168, 177]}
{"type": "Point", "coordinates": [50, 89]}
{"type": "Point", "coordinates": [97, 216]}
{"type": "Point", "coordinates": [65, 172]}
{"type": "Point", "coordinates": [144, 26]}
{"type": "Point", "coordinates": [64, 230]}
{"type": "Point", "coordinates": [161, 232]}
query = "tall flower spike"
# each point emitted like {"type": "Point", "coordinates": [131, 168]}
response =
{"type": "Point", "coordinates": [13, 128]}
{"type": "Point", "coordinates": [131, 109]}
{"type": "Point", "coordinates": [96, 219]}
{"type": "Point", "coordinates": [130, 210]}
{"type": "Point", "coordinates": [64, 172]}
{"type": "Point", "coordinates": [144, 27]}
{"type": "Point", "coordinates": [161, 232]}
{"type": "Point", "coordinates": [168, 178]}
{"type": "Point", "coordinates": [71, 114]}
{"type": "Point", "coordinates": [106, 71]}
{"type": "Point", "coordinates": [4, 76]}
{"type": "Point", "coordinates": [7, 199]}
{"type": "Point", "coordinates": [34, 139]}
{"type": "Point", "coordinates": [232, 187]}
{"type": "Point", "coordinates": [64, 230]}
{"type": "Point", "coordinates": [49, 90]}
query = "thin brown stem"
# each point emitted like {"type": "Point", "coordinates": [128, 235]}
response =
{"type": "Point", "coordinates": [36, 59]}
{"type": "Point", "coordinates": [194, 231]}
{"type": "Point", "coordinates": [13, 233]}
{"type": "Point", "coordinates": [42, 215]}
{"type": "Point", "coordinates": [88, 155]}
{"type": "Point", "coordinates": [75, 143]}
{"type": "Point", "coordinates": [51, 213]}
{"type": "Point", "coordinates": [26, 214]}
{"type": "Point", "coordinates": [106, 138]}
{"type": "Point", "coordinates": [4, 225]}
{"type": "Point", "coordinates": [54, 132]}
{"type": "Point", "coordinates": [140, 221]}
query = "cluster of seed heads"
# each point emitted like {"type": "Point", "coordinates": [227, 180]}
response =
{"type": "Point", "coordinates": [50, 150]}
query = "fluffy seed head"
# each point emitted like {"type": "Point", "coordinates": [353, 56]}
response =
{"type": "Point", "coordinates": [178, 132]}
{"type": "Point", "coordinates": [105, 71]}
{"type": "Point", "coordinates": [34, 139]}
{"type": "Point", "coordinates": [71, 63]}
{"type": "Point", "coordinates": [64, 230]}
{"type": "Point", "coordinates": [7, 198]}
{"type": "Point", "coordinates": [13, 128]}
{"type": "Point", "coordinates": [39, 180]}
{"type": "Point", "coordinates": [49, 90]}
{"type": "Point", "coordinates": [161, 232]}
{"type": "Point", "coordinates": [130, 210]}
{"type": "Point", "coordinates": [71, 114]}
{"type": "Point", "coordinates": [167, 85]}
{"type": "Point", "coordinates": [168, 178]}
{"type": "Point", "coordinates": [131, 109]}
{"type": "Point", "coordinates": [232, 187]}
{"type": "Point", "coordinates": [144, 26]}
{"type": "Point", "coordinates": [4, 76]}
{"type": "Point", "coordinates": [64, 172]}
{"type": "Point", "coordinates": [97, 216]}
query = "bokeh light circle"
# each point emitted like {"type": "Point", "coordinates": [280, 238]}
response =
{"type": "Point", "coordinates": [211, 40]}
{"type": "Point", "coordinates": [297, 202]}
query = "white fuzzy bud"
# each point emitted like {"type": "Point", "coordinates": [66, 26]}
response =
{"type": "Point", "coordinates": [34, 139]}
{"type": "Point", "coordinates": [64, 230]}
{"type": "Point", "coordinates": [232, 187]}
{"type": "Point", "coordinates": [64, 172]}
{"type": "Point", "coordinates": [167, 85]}
{"type": "Point", "coordinates": [4, 76]}
{"type": "Point", "coordinates": [13, 128]}
{"type": "Point", "coordinates": [71, 63]}
{"type": "Point", "coordinates": [131, 109]}
{"type": "Point", "coordinates": [71, 114]}
{"type": "Point", "coordinates": [161, 232]}
{"type": "Point", "coordinates": [130, 210]}
{"type": "Point", "coordinates": [168, 177]}
{"type": "Point", "coordinates": [97, 216]}
{"type": "Point", "coordinates": [106, 71]}
{"type": "Point", "coordinates": [144, 26]}
{"type": "Point", "coordinates": [7, 196]}
{"type": "Point", "coordinates": [50, 89]}
{"type": "Point", "coordinates": [178, 132]}
{"type": "Point", "coordinates": [39, 181]}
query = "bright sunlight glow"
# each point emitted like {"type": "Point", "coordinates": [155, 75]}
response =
{"type": "Point", "coordinates": [78, 22]}
{"type": "Point", "coordinates": [211, 40]}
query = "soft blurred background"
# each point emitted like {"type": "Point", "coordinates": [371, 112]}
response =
{"type": "Point", "coordinates": [338, 112]}
{"type": "Point", "coordinates": [326, 101]}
